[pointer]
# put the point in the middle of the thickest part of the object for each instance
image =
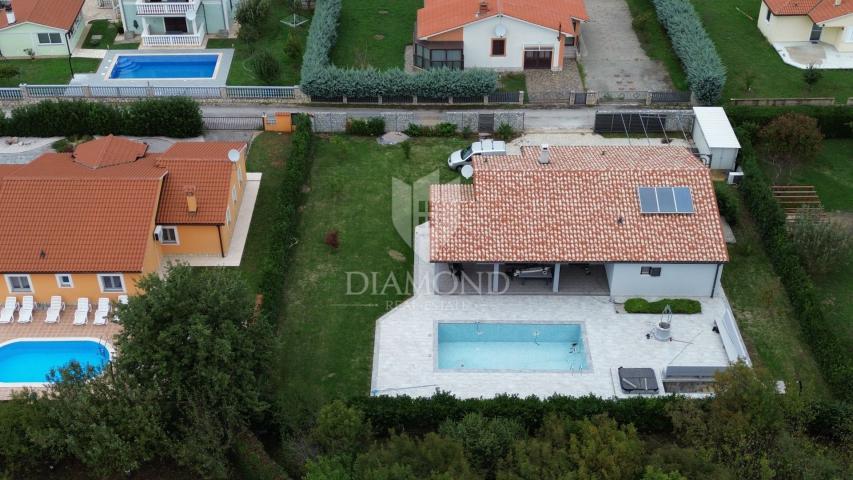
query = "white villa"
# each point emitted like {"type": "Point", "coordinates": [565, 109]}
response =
{"type": "Point", "coordinates": [178, 23]}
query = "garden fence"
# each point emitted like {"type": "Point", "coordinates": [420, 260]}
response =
{"type": "Point", "coordinates": [780, 102]}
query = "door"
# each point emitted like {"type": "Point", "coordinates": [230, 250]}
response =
{"type": "Point", "coordinates": [816, 31]}
{"type": "Point", "coordinates": [175, 24]}
{"type": "Point", "coordinates": [537, 59]}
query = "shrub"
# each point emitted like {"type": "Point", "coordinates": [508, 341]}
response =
{"type": "Point", "coordinates": [441, 130]}
{"type": "Point", "coordinates": [789, 140]}
{"type": "Point", "coordinates": [823, 245]}
{"type": "Point", "coordinates": [252, 12]}
{"type": "Point", "coordinates": [252, 461]}
{"type": "Point", "coordinates": [727, 202]}
{"type": "Point", "coordinates": [678, 305]}
{"type": "Point", "coordinates": [706, 73]}
{"type": "Point", "coordinates": [833, 122]}
{"type": "Point", "coordinates": [812, 75]}
{"type": "Point", "coordinates": [505, 132]}
{"type": "Point", "coordinates": [486, 441]}
{"type": "Point", "coordinates": [293, 47]}
{"type": "Point", "coordinates": [173, 117]}
{"type": "Point", "coordinates": [265, 66]}
{"type": "Point", "coordinates": [371, 127]}
{"type": "Point", "coordinates": [62, 146]}
{"type": "Point", "coordinates": [331, 239]}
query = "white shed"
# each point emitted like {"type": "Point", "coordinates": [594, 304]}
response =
{"type": "Point", "coordinates": [715, 138]}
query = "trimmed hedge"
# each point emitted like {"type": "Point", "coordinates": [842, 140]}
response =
{"type": "Point", "coordinates": [321, 79]}
{"type": "Point", "coordinates": [371, 127]}
{"type": "Point", "coordinates": [678, 305]}
{"type": "Point", "coordinates": [172, 117]}
{"type": "Point", "coordinates": [833, 122]}
{"type": "Point", "coordinates": [705, 71]}
{"type": "Point", "coordinates": [830, 351]}
{"type": "Point", "coordinates": [727, 202]}
{"type": "Point", "coordinates": [444, 129]}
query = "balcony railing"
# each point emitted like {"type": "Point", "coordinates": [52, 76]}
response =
{"type": "Point", "coordinates": [166, 8]}
{"type": "Point", "coordinates": [175, 40]}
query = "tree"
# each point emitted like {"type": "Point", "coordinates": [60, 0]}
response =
{"type": "Point", "coordinates": [434, 457]}
{"type": "Point", "coordinates": [342, 432]}
{"type": "Point", "coordinates": [486, 441]}
{"type": "Point", "coordinates": [600, 448]}
{"type": "Point", "coordinates": [812, 75]}
{"type": "Point", "coordinates": [789, 140]}
{"type": "Point", "coordinates": [823, 244]}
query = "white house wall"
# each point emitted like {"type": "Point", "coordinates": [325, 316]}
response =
{"type": "Point", "coordinates": [675, 280]}
{"type": "Point", "coordinates": [723, 158]}
{"type": "Point", "coordinates": [784, 28]}
{"type": "Point", "coordinates": [478, 43]}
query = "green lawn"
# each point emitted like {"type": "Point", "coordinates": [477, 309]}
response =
{"type": "Point", "coordinates": [374, 32]}
{"type": "Point", "coordinates": [747, 54]}
{"type": "Point", "coordinates": [47, 71]}
{"type": "Point", "coordinates": [831, 174]}
{"type": "Point", "coordinates": [655, 42]}
{"type": "Point", "coordinates": [109, 31]}
{"type": "Point", "coordinates": [273, 37]}
{"type": "Point", "coordinates": [764, 314]}
{"type": "Point", "coordinates": [326, 336]}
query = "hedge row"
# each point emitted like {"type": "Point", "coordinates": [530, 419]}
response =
{"type": "Point", "coordinates": [705, 71]}
{"type": "Point", "coordinates": [830, 352]}
{"type": "Point", "coordinates": [834, 122]}
{"type": "Point", "coordinates": [678, 305]}
{"type": "Point", "coordinates": [321, 79]}
{"type": "Point", "coordinates": [172, 117]}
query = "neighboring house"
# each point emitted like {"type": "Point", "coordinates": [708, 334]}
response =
{"type": "Point", "coordinates": [827, 21]}
{"type": "Point", "coordinates": [178, 24]}
{"type": "Point", "coordinates": [41, 28]}
{"type": "Point", "coordinates": [91, 223]}
{"type": "Point", "coordinates": [505, 35]}
{"type": "Point", "coordinates": [619, 221]}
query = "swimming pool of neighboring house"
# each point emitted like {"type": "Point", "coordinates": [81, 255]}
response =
{"type": "Point", "coordinates": [27, 361]}
{"type": "Point", "coordinates": [168, 65]}
{"type": "Point", "coordinates": [512, 346]}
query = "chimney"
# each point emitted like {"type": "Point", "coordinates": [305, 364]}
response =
{"type": "Point", "coordinates": [192, 203]}
{"type": "Point", "coordinates": [545, 155]}
{"type": "Point", "coordinates": [10, 16]}
{"type": "Point", "coordinates": [837, 4]}
{"type": "Point", "coordinates": [484, 7]}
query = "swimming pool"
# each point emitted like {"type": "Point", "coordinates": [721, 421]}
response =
{"type": "Point", "coordinates": [512, 346]}
{"type": "Point", "coordinates": [203, 65]}
{"type": "Point", "coordinates": [30, 360]}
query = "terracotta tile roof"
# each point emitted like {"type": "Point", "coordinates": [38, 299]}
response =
{"type": "Point", "coordinates": [442, 15]}
{"type": "Point", "coordinates": [520, 211]}
{"type": "Point", "coordinates": [108, 151]}
{"type": "Point", "coordinates": [817, 10]}
{"type": "Point", "coordinates": [52, 13]}
{"type": "Point", "coordinates": [202, 150]}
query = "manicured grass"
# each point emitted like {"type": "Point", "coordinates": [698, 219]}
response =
{"type": "Point", "coordinates": [47, 71]}
{"type": "Point", "coordinates": [267, 155]}
{"type": "Point", "coordinates": [676, 305]}
{"type": "Point", "coordinates": [374, 32]}
{"type": "Point", "coordinates": [512, 82]}
{"type": "Point", "coordinates": [273, 36]}
{"type": "Point", "coordinates": [655, 41]}
{"type": "Point", "coordinates": [107, 30]}
{"type": "Point", "coordinates": [764, 315]}
{"type": "Point", "coordinates": [747, 54]}
{"type": "Point", "coordinates": [831, 174]}
{"type": "Point", "coordinates": [326, 335]}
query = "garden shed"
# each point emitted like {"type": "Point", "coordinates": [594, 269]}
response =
{"type": "Point", "coordinates": [715, 138]}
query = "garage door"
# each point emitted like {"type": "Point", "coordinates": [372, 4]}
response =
{"type": "Point", "coordinates": [537, 59]}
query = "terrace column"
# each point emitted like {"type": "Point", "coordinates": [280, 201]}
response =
{"type": "Point", "coordinates": [556, 282]}
{"type": "Point", "coordinates": [144, 24]}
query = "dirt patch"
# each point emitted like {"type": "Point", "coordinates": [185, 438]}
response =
{"type": "Point", "coordinates": [379, 36]}
{"type": "Point", "coordinates": [397, 255]}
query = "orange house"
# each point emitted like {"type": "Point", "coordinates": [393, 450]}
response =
{"type": "Point", "coordinates": [92, 222]}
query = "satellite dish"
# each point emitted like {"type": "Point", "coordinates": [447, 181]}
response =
{"type": "Point", "coordinates": [467, 171]}
{"type": "Point", "coordinates": [500, 31]}
{"type": "Point", "coordinates": [190, 15]}
{"type": "Point", "coordinates": [234, 155]}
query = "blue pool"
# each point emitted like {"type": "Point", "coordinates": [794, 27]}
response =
{"type": "Point", "coordinates": [27, 361]}
{"type": "Point", "coordinates": [165, 66]}
{"type": "Point", "coordinates": [511, 346]}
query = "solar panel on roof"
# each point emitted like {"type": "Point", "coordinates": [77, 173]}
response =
{"type": "Point", "coordinates": [666, 200]}
{"type": "Point", "coordinates": [648, 200]}
{"type": "Point", "coordinates": [683, 199]}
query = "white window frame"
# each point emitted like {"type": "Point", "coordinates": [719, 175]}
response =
{"type": "Point", "coordinates": [651, 271]}
{"type": "Point", "coordinates": [59, 282]}
{"type": "Point", "coordinates": [101, 277]}
{"type": "Point", "coordinates": [174, 228]}
{"type": "Point", "coordinates": [848, 34]}
{"type": "Point", "coordinates": [48, 37]}
{"type": "Point", "coordinates": [228, 216]}
{"type": "Point", "coordinates": [8, 277]}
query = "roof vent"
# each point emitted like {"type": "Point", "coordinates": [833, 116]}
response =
{"type": "Point", "coordinates": [545, 154]}
{"type": "Point", "coordinates": [484, 7]}
{"type": "Point", "coordinates": [192, 203]}
{"type": "Point", "coordinates": [10, 16]}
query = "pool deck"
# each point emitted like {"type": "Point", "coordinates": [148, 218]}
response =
{"type": "Point", "coordinates": [404, 359]}
{"type": "Point", "coordinates": [100, 77]}
{"type": "Point", "coordinates": [64, 328]}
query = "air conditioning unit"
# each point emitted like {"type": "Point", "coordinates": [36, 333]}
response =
{"type": "Point", "coordinates": [735, 178]}
{"type": "Point", "coordinates": [158, 233]}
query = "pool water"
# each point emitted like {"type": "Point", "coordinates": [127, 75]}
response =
{"type": "Point", "coordinates": [511, 346]}
{"type": "Point", "coordinates": [165, 66]}
{"type": "Point", "coordinates": [27, 361]}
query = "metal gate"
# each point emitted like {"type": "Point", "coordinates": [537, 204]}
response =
{"type": "Point", "coordinates": [486, 123]}
{"type": "Point", "coordinates": [254, 122]}
{"type": "Point", "coordinates": [580, 98]}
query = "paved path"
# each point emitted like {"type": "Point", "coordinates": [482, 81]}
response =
{"type": "Point", "coordinates": [546, 86]}
{"type": "Point", "coordinates": [612, 57]}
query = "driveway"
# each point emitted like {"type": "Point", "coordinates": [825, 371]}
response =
{"type": "Point", "coordinates": [611, 54]}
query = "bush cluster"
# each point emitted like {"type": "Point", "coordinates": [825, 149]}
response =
{"type": "Point", "coordinates": [321, 79]}
{"type": "Point", "coordinates": [678, 305]}
{"type": "Point", "coordinates": [370, 127]}
{"type": "Point", "coordinates": [172, 117]}
{"type": "Point", "coordinates": [830, 352]}
{"type": "Point", "coordinates": [727, 202]}
{"type": "Point", "coordinates": [265, 66]}
{"type": "Point", "coordinates": [441, 130]}
{"type": "Point", "coordinates": [705, 71]}
{"type": "Point", "coordinates": [833, 122]}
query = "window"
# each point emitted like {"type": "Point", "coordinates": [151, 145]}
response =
{"type": "Point", "coordinates": [427, 58]}
{"type": "Point", "coordinates": [19, 283]}
{"type": "Point", "coordinates": [63, 280]}
{"type": "Point", "coordinates": [650, 271]}
{"type": "Point", "coordinates": [769, 15]}
{"type": "Point", "coordinates": [50, 38]}
{"type": "Point", "coordinates": [228, 216]}
{"type": "Point", "coordinates": [169, 235]}
{"type": "Point", "coordinates": [848, 34]}
{"type": "Point", "coordinates": [111, 282]}
{"type": "Point", "coordinates": [498, 47]}
{"type": "Point", "coordinates": [234, 193]}
{"type": "Point", "coordinates": [570, 41]}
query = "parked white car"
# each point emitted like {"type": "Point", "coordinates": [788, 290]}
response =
{"type": "Point", "coordinates": [460, 158]}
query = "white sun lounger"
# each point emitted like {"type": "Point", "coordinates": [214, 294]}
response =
{"type": "Point", "coordinates": [8, 310]}
{"type": "Point", "coordinates": [56, 306]}
{"type": "Point", "coordinates": [102, 311]}
{"type": "Point", "coordinates": [82, 312]}
{"type": "Point", "coordinates": [122, 300]}
{"type": "Point", "coordinates": [25, 314]}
